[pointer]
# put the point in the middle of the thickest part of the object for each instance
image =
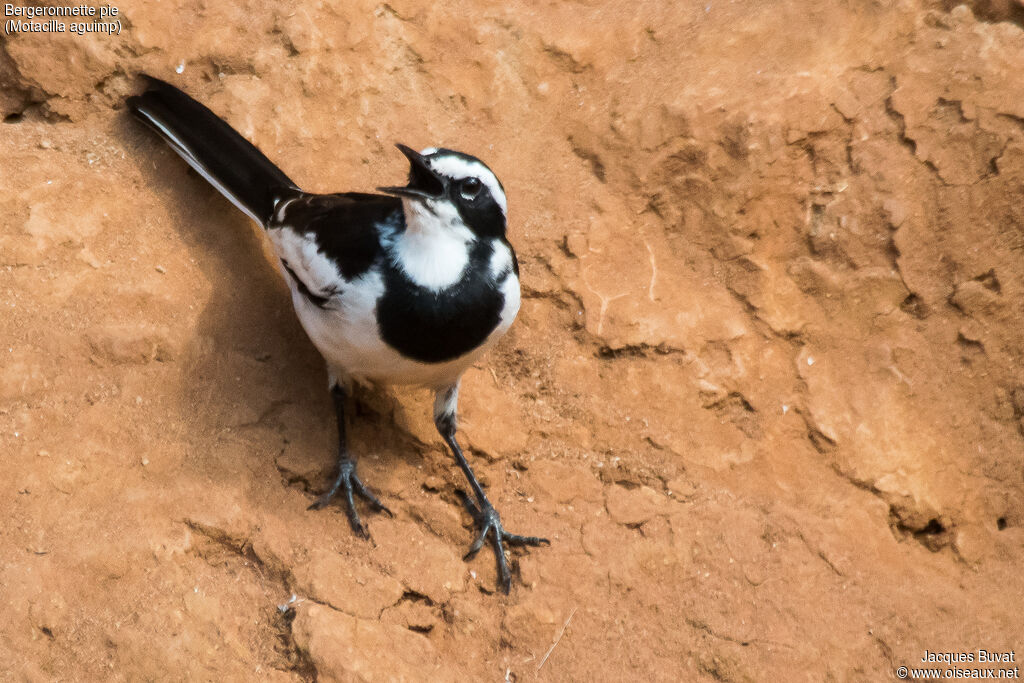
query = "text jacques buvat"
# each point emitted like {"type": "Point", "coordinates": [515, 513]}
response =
{"type": "Point", "coordinates": [54, 19]}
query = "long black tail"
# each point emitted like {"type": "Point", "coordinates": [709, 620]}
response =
{"type": "Point", "coordinates": [213, 148]}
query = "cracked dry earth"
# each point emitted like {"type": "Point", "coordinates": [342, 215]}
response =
{"type": "Point", "coordinates": [765, 395]}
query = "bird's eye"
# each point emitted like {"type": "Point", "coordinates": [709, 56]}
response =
{"type": "Point", "coordinates": [469, 188]}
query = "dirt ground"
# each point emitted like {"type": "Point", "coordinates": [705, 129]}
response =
{"type": "Point", "coordinates": [765, 394]}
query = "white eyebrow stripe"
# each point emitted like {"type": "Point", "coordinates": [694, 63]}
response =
{"type": "Point", "coordinates": [458, 167]}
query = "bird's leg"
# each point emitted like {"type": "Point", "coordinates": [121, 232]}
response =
{"type": "Point", "coordinates": [347, 480]}
{"type": "Point", "coordinates": [487, 519]}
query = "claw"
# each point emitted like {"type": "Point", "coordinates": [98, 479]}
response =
{"type": "Point", "coordinates": [368, 495]}
{"type": "Point", "coordinates": [535, 541]}
{"type": "Point", "coordinates": [490, 524]}
{"type": "Point", "coordinates": [349, 483]}
{"type": "Point", "coordinates": [477, 544]}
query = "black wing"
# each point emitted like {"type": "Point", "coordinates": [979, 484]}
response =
{"type": "Point", "coordinates": [321, 236]}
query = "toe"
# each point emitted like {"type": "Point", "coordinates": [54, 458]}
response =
{"type": "Point", "coordinates": [477, 544]}
{"type": "Point", "coordinates": [515, 539]}
{"type": "Point", "coordinates": [504, 575]}
{"type": "Point", "coordinates": [357, 525]}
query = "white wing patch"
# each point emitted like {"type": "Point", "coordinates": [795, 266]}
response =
{"type": "Point", "coordinates": [458, 167]}
{"type": "Point", "coordinates": [317, 272]}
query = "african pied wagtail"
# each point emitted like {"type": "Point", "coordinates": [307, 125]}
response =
{"type": "Point", "coordinates": [408, 287]}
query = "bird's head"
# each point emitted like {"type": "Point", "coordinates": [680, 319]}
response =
{"type": "Point", "coordinates": [452, 187]}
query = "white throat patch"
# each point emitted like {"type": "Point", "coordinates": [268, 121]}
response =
{"type": "Point", "coordinates": [433, 251]}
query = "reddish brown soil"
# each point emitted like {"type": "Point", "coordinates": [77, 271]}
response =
{"type": "Point", "coordinates": [765, 394]}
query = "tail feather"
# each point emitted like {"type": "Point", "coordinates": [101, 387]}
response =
{"type": "Point", "coordinates": [217, 151]}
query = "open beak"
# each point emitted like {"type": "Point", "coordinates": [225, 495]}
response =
{"type": "Point", "coordinates": [423, 182]}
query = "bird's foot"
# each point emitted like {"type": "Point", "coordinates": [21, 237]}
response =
{"type": "Point", "coordinates": [349, 483]}
{"type": "Point", "coordinates": [489, 522]}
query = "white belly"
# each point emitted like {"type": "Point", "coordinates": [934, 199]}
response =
{"type": "Point", "coordinates": [347, 336]}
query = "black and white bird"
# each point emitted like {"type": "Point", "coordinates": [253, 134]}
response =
{"type": "Point", "coordinates": [407, 287]}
